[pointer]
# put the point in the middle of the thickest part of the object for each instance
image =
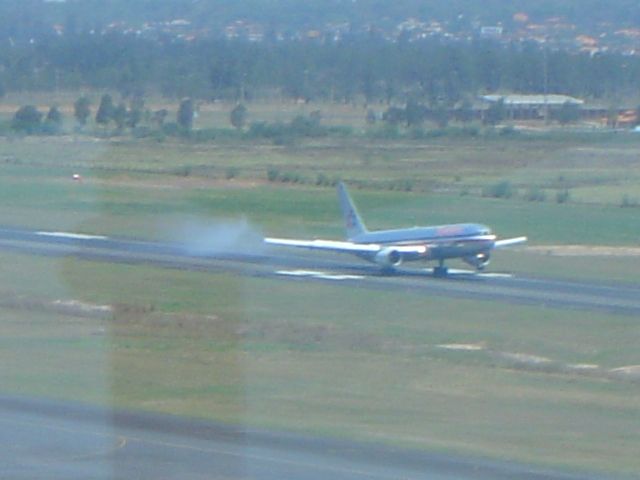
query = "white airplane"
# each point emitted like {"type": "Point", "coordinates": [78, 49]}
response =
{"type": "Point", "coordinates": [470, 242]}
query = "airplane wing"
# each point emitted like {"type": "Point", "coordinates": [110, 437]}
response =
{"type": "Point", "coordinates": [346, 247]}
{"type": "Point", "coordinates": [509, 242]}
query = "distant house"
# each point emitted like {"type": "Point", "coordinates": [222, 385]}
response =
{"type": "Point", "coordinates": [530, 107]}
{"type": "Point", "coordinates": [494, 33]}
{"type": "Point", "coordinates": [627, 118]}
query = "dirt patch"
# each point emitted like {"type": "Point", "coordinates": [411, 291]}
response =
{"type": "Point", "coordinates": [584, 251]}
{"type": "Point", "coordinates": [72, 308]}
{"type": "Point", "coordinates": [178, 182]}
{"type": "Point", "coordinates": [76, 307]}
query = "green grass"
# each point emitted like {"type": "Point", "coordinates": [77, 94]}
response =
{"type": "Point", "coordinates": [146, 207]}
{"type": "Point", "coordinates": [325, 359]}
{"type": "Point", "coordinates": [583, 268]}
{"type": "Point", "coordinates": [173, 208]}
{"type": "Point", "coordinates": [318, 358]}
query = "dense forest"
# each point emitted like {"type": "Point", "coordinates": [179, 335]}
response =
{"type": "Point", "coordinates": [369, 69]}
{"type": "Point", "coordinates": [88, 52]}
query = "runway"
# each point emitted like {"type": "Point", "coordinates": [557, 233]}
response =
{"type": "Point", "coordinates": [283, 265]}
{"type": "Point", "coordinates": [53, 440]}
{"type": "Point", "coordinates": [48, 439]}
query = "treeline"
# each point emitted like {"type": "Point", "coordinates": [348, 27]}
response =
{"type": "Point", "coordinates": [370, 70]}
{"type": "Point", "coordinates": [135, 118]}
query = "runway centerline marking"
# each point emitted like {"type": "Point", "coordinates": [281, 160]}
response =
{"type": "Point", "coordinates": [319, 275]}
{"type": "Point", "coordinates": [495, 275]}
{"type": "Point", "coordinates": [456, 271]}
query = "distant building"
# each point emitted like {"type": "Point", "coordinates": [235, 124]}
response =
{"type": "Point", "coordinates": [531, 107]}
{"type": "Point", "coordinates": [521, 17]}
{"type": "Point", "coordinates": [491, 32]}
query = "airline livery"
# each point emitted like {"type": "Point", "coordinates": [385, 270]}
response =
{"type": "Point", "coordinates": [470, 242]}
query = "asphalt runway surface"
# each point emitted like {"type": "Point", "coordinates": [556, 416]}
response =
{"type": "Point", "coordinates": [47, 439]}
{"type": "Point", "coordinates": [287, 265]}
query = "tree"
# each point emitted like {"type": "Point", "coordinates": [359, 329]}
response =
{"type": "Point", "coordinates": [159, 116]}
{"type": "Point", "coordinates": [54, 115]}
{"type": "Point", "coordinates": [136, 109]}
{"type": "Point", "coordinates": [105, 110]}
{"type": "Point", "coordinates": [238, 116]}
{"type": "Point", "coordinates": [440, 115]}
{"type": "Point", "coordinates": [464, 113]}
{"type": "Point", "coordinates": [185, 114]}
{"type": "Point", "coordinates": [119, 116]}
{"type": "Point", "coordinates": [27, 119]}
{"type": "Point", "coordinates": [308, 126]}
{"type": "Point", "coordinates": [315, 118]}
{"type": "Point", "coordinates": [82, 110]}
{"type": "Point", "coordinates": [224, 73]}
{"type": "Point", "coordinates": [368, 84]}
{"type": "Point", "coordinates": [371, 117]}
{"type": "Point", "coordinates": [53, 120]}
{"type": "Point", "coordinates": [394, 116]}
{"type": "Point", "coordinates": [415, 113]}
{"type": "Point", "coordinates": [389, 90]}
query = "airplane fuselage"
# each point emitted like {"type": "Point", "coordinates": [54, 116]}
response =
{"type": "Point", "coordinates": [441, 242]}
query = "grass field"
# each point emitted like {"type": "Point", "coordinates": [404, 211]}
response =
{"type": "Point", "coordinates": [39, 194]}
{"type": "Point", "coordinates": [387, 367]}
{"type": "Point", "coordinates": [527, 383]}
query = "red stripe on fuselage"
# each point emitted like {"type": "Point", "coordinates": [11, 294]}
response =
{"type": "Point", "coordinates": [452, 239]}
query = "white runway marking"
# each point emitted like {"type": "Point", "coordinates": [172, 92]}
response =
{"type": "Point", "coordinates": [336, 276]}
{"type": "Point", "coordinates": [77, 236]}
{"type": "Point", "coordinates": [340, 277]}
{"type": "Point", "coordinates": [455, 271]}
{"type": "Point", "coordinates": [464, 347]}
{"type": "Point", "coordinates": [299, 273]}
{"type": "Point", "coordinates": [316, 274]}
{"type": "Point", "coordinates": [496, 275]}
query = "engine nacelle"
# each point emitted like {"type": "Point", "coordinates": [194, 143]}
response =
{"type": "Point", "coordinates": [388, 257]}
{"type": "Point", "coordinates": [478, 261]}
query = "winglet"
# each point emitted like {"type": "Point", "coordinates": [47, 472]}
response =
{"type": "Point", "coordinates": [353, 223]}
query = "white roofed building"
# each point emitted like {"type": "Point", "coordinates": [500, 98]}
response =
{"type": "Point", "coordinates": [531, 107]}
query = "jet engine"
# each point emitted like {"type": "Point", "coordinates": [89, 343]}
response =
{"type": "Point", "coordinates": [388, 257]}
{"type": "Point", "coordinates": [478, 261]}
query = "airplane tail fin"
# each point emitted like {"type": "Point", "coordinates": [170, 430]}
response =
{"type": "Point", "coordinates": [353, 223]}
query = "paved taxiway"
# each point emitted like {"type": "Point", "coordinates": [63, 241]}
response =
{"type": "Point", "coordinates": [278, 264]}
{"type": "Point", "coordinates": [54, 440]}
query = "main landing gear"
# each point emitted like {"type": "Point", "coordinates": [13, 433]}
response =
{"type": "Point", "coordinates": [440, 271]}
